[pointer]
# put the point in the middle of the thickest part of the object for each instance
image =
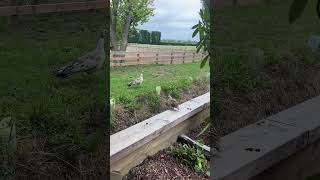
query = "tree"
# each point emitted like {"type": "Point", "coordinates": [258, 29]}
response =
{"type": "Point", "coordinates": [203, 29]}
{"type": "Point", "coordinates": [297, 8]}
{"type": "Point", "coordinates": [126, 15]}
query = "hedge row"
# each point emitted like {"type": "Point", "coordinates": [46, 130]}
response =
{"type": "Point", "coordinates": [145, 37]}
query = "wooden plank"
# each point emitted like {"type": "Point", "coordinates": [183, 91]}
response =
{"type": "Point", "coordinates": [299, 166]}
{"type": "Point", "coordinates": [130, 139]}
{"type": "Point", "coordinates": [256, 148]}
{"type": "Point", "coordinates": [166, 139]}
{"type": "Point", "coordinates": [305, 115]}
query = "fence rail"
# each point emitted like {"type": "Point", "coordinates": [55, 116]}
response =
{"type": "Point", "coordinates": [121, 58]}
{"type": "Point", "coordinates": [48, 8]}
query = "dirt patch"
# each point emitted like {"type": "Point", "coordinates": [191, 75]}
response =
{"type": "Point", "coordinates": [163, 166]}
{"type": "Point", "coordinates": [128, 117]}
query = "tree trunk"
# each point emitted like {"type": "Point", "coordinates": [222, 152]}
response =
{"type": "Point", "coordinates": [113, 25]}
{"type": "Point", "coordinates": [126, 33]}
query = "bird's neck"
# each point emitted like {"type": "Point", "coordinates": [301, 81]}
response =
{"type": "Point", "coordinates": [100, 45]}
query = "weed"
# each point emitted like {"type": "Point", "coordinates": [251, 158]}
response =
{"type": "Point", "coordinates": [192, 156]}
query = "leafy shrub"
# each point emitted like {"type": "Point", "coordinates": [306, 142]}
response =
{"type": "Point", "coordinates": [191, 156]}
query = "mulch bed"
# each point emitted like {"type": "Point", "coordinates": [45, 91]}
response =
{"type": "Point", "coordinates": [163, 166]}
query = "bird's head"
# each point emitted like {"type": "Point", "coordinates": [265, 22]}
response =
{"type": "Point", "coordinates": [103, 33]}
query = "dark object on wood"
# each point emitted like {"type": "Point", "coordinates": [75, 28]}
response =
{"type": "Point", "coordinates": [206, 149]}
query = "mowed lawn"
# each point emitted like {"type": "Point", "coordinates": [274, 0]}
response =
{"type": "Point", "coordinates": [170, 77]}
{"type": "Point", "coordinates": [30, 52]}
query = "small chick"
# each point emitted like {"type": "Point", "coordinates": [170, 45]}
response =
{"type": "Point", "coordinates": [173, 103]}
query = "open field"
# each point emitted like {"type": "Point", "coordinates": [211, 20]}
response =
{"type": "Point", "coordinates": [53, 116]}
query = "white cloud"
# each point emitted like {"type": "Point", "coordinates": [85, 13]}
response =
{"type": "Point", "coordinates": [174, 18]}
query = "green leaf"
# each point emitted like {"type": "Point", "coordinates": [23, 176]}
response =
{"type": "Point", "coordinates": [199, 47]}
{"type": "Point", "coordinates": [195, 32]}
{"type": "Point", "coordinates": [296, 9]}
{"type": "Point", "coordinates": [204, 61]}
{"type": "Point", "coordinates": [195, 26]}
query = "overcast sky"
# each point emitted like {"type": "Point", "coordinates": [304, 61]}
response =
{"type": "Point", "coordinates": [174, 18]}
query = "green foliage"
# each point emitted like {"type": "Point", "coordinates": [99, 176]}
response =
{"type": "Point", "coordinates": [145, 37]}
{"type": "Point", "coordinates": [134, 36]}
{"type": "Point", "coordinates": [191, 156]}
{"type": "Point", "coordinates": [141, 11]}
{"type": "Point", "coordinates": [155, 37]}
{"type": "Point", "coordinates": [154, 102]}
{"type": "Point", "coordinates": [203, 30]}
{"type": "Point", "coordinates": [296, 9]}
{"type": "Point", "coordinates": [177, 43]}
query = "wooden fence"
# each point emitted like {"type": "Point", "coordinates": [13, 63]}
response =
{"type": "Point", "coordinates": [48, 8]}
{"type": "Point", "coordinates": [121, 58]}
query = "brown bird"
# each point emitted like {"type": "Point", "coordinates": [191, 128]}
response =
{"type": "Point", "coordinates": [173, 103]}
{"type": "Point", "coordinates": [89, 62]}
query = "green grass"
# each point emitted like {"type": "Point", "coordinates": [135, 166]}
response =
{"type": "Point", "coordinates": [258, 26]}
{"type": "Point", "coordinates": [43, 105]}
{"type": "Point", "coordinates": [171, 78]}
{"type": "Point", "coordinates": [264, 26]}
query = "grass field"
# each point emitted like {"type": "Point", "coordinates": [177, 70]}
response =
{"type": "Point", "coordinates": [53, 111]}
{"type": "Point", "coordinates": [173, 79]}
{"type": "Point", "coordinates": [169, 77]}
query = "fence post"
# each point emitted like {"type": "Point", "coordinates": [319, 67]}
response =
{"type": "Point", "coordinates": [157, 57]}
{"type": "Point", "coordinates": [138, 58]}
{"type": "Point", "coordinates": [183, 58]}
{"type": "Point", "coordinates": [193, 56]}
{"type": "Point", "coordinates": [171, 56]}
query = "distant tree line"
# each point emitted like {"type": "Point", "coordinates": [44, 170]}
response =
{"type": "Point", "coordinates": [154, 37]}
{"type": "Point", "coordinates": [178, 43]}
{"type": "Point", "coordinates": [145, 37]}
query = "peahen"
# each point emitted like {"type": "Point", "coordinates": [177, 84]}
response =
{"type": "Point", "coordinates": [89, 62]}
